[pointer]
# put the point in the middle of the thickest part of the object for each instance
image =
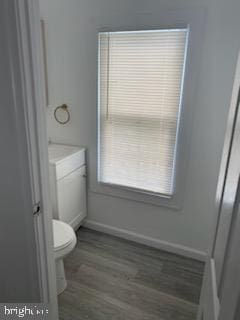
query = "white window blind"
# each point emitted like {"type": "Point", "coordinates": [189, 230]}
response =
{"type": "Point", "coordinates": [140, 87]}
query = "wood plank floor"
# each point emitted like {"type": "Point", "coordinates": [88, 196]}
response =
{"type": "Point", "coordinates": [115, 279]}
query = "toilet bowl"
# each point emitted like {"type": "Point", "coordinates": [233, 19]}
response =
{"type": "Point", "coordinates": [64, 240]}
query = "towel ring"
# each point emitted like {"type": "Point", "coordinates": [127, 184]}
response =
{"type": "Point", "coordinates": [63, 107]}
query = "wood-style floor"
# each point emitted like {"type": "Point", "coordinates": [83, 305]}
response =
{"type": "Point", "coordinates": [114, 279]}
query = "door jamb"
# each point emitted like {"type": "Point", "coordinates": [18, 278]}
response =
{"type": "Point", "coordinates": [30, 54]}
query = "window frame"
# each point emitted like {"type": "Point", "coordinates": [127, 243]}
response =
{"type": "Point", "coordinates": [179, 113]}
{"type": "Point", "coordinates": [193, 19]}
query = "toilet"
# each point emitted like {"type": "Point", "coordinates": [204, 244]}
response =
{"type": "Point", "coordinates": [64, 240]}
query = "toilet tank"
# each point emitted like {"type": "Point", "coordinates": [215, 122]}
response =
{"type": "Point", "coordinates": [67, 169]}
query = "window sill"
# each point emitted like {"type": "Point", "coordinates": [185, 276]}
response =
{"type": "Point", "coordinates": [173, 202]}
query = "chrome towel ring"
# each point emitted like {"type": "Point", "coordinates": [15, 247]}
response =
{"type": "Point", "coordinates": [63, 108]}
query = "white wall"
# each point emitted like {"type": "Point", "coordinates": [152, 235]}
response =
{"type": "Point", "coordinates": [72, 43]}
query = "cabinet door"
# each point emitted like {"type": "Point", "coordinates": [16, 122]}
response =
{"type": "Point", "coordinates": [71, 194]}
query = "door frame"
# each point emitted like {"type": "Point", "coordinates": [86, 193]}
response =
{"type": "Point", "coordinates": [225, 274]}
{"type": "Point", "coordinates": [230, 295]}
{"type": "Point", "coordinates": [30, 82]}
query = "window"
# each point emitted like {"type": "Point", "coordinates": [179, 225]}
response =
{"type": "Point", "coordinates": [140, 88]}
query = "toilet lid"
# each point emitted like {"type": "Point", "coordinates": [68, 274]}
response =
{"type": "Point", "coordinates": [63, 234]}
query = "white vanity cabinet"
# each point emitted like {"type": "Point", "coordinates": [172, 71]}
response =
{"type": "Point", "coordinates": [67, 168]}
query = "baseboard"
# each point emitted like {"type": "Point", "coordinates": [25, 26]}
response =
{"type": "Point", "coordinates": [149, 241]}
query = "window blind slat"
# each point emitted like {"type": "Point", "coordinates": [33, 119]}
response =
{"type": "Point", "coordinates": [140, 84]}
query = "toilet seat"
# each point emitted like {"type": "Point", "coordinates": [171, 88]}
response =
{"type": "Point", "coordinates": [64, 238]}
